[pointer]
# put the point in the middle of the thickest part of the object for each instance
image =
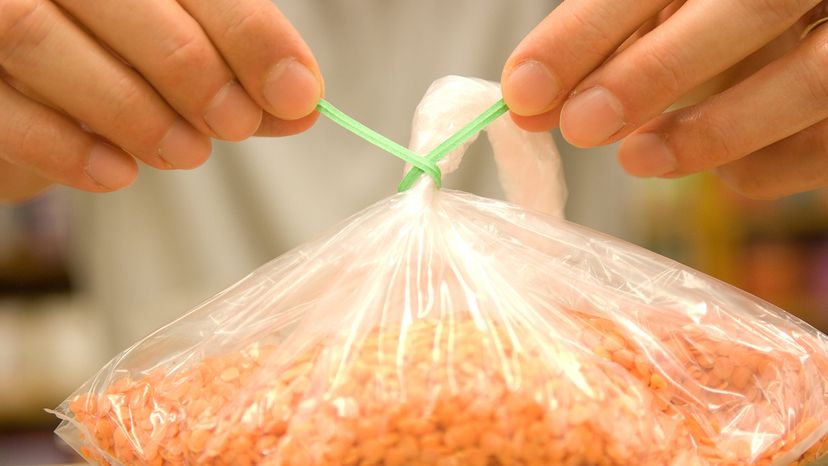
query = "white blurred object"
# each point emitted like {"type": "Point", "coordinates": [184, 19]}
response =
{"type": "Point", "coordinates": [47, 346]}
{"type": "Point", "coordinates": [529, 166]}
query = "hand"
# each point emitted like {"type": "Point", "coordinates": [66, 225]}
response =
{"type": "Point", "coordinates": [765, 131]}
{"type": "Point", "coordinates": [87, 87]}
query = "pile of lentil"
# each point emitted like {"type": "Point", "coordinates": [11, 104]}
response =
{"type": "Point", "coordinates": [431, 393]}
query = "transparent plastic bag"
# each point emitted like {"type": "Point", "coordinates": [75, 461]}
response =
{"type": "Point", "coordinates": [441, 328]}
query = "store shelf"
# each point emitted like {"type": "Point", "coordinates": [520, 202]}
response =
{"type": "Point", "coordinates": [777, 250]}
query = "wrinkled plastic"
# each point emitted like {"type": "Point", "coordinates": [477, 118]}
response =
{"type": "Point", "coordinates": [528, 164]}
{"type": "Point", "coordinates": [441, 328]}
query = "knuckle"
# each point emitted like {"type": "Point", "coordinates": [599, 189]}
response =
{"type": "Point", "coordinates": [772, 12]}
{"type": "Point", "coordinates": [720, 142]}
{"type": "Point", "coordinates": [30, 141]}
{"type": "Point", "coordinates": [740, 178]}
{"type": "Point", "coordinates": [129, 98]}
{"type": "Point", "coordinates": [662, 67]}
{"type": "Point", "coordinates": [126, 95]}
{"type": "Point", "coordinates": [19, 27]}
{"type": "Point", "coordinates": [37, 142]}
{"type": "Point", "coordinates": [186, 53]}
{"type": "Point", "coordinates": [243, 22]}
{"type": "Point", "coordinates": [592, 29]}
{"type": "Point", "coordinates": [15, 12]}
{"type": "Point", "coordinates": [762, 176]}
{"type": "Point", "coordinates": [815, 65]}
{"type": "Point", "coordinates": [714, 141]}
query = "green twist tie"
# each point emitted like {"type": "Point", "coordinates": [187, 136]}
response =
{"type": "Point", "coordinates": [421, 164]}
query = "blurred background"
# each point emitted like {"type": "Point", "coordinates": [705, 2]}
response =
{"type": "Point", "coordinates": [84, 276]}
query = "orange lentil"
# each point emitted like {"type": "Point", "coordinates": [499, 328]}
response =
{"type": "Point", "coordinates": [446, 408]}
{"type": "Point", "coordinates": [722, 368]}
{"type": "Point", "coordinates": [657, 382]}
{"type": "Point", "coordinates": [625, 358]}
{"type": "Point", "coordinates": [741, 377]}
{"type": "Point", "coordinates": [461, 436]}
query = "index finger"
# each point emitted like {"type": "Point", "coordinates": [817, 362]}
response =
{"type": "Point", "coordinates": [265, 51]}
{"type": "Point", "coordinates": [565, 47]}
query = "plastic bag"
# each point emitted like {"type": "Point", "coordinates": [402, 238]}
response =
{"type": "Point", "coordinates": [441, 328]}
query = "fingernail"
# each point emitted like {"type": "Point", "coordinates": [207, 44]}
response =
{"type": "Point", "coordinates": [291, 89]}
{"type": "Point", "coordinates": [530, 88]}
{"type": "Point", "coordinates": [183, 146]}
{"type": "Point", "coordinates": [647, 154]}
{"type": "Point", "coordinates": [232, 114]}
{"type": "Point", "coordinates": [110, 167]}
{"type": "Point", "coordinates": [591, 117]}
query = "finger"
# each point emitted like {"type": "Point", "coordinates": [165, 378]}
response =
{"type": "Point", "coordinates": [21, 88]}
{"type": "Point", "coordinates": [783, 98]}
{"type": "Point", "coordinates": [551, 119]}
{"type": "Point", "coordinates": [18, 184]}
{"type": "Point", "coordinates": [272, 126]}
{"type": "Point", "coordinates": [795, 164]}
{"type": "Point", "coordinates": [537, 123]}
{"type": "Point", "coordinates": [650, 25]}
{"type": "Point", "coordinates": [162, 41]}
{"type": "Point", "coordinates": [41, 48]}
{"type": "Point", "coordinates": [265, 51]}
{"type": "Point", "coordinates": [698, 42]}
{"type": "Point", "coordinates": [566, 46]}
{"type": "Point", "coordinates": [44, 144]}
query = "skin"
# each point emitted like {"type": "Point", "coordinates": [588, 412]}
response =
{"type": "Point", "coordinates": [751, 96]}
{"type": "Point", "coordinates": [88, 91]}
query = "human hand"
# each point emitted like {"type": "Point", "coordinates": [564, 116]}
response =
{"type": "Point", "coordinates": [87, 87]}
{"type": "Point", "coordinates": [593, 68]}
